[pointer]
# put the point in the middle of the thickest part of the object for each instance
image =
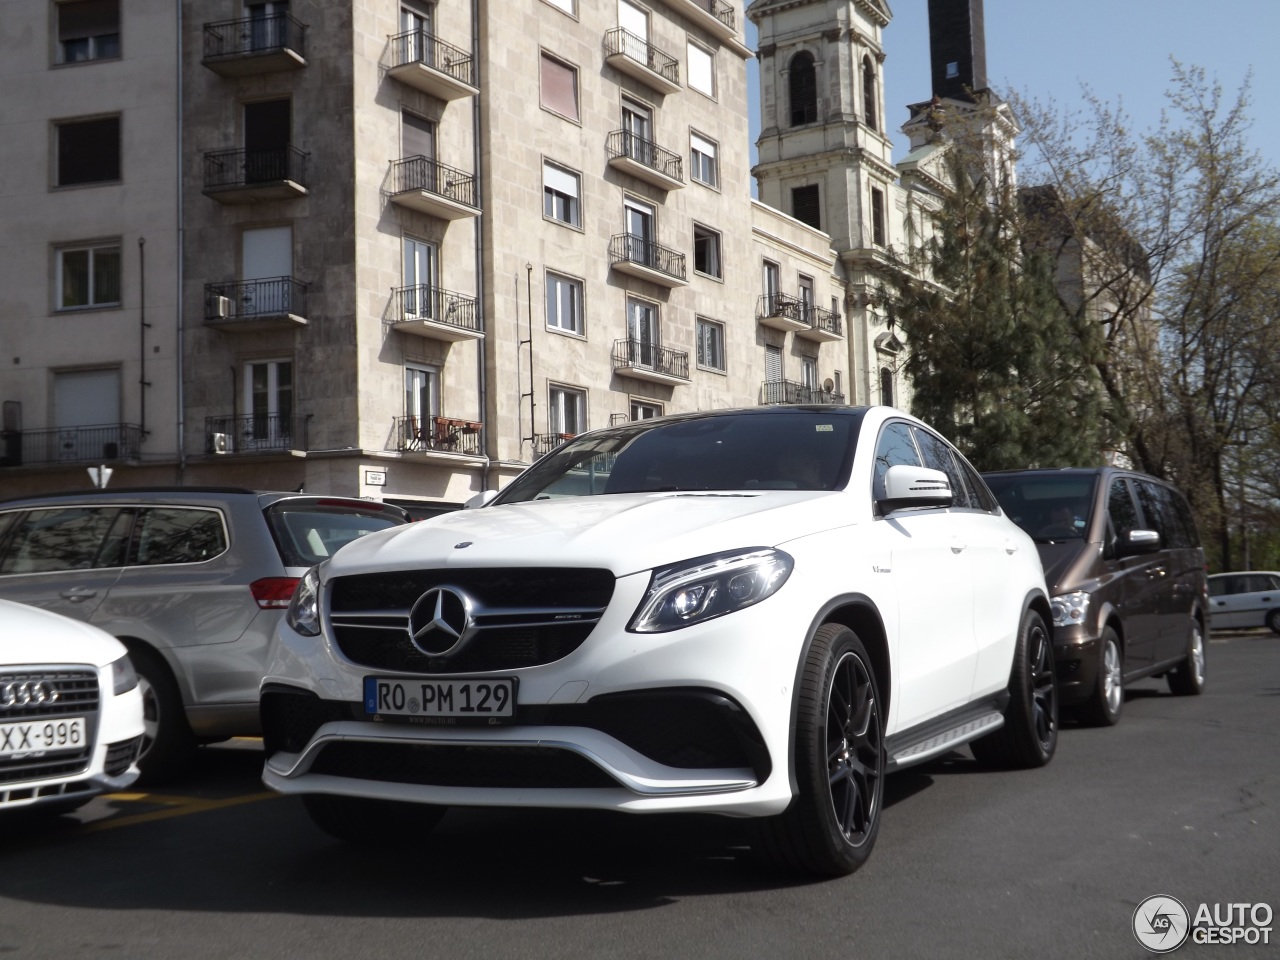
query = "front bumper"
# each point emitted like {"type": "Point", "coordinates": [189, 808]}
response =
{"type": "Point", "coordinates": [1075, 657]}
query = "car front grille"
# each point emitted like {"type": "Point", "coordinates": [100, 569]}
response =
{"type": "Point", "coordinates": [121, 755]}
{"type": "Point", "coordinates": [461, 766]}
{"type": "Point", "coordinates": [62, 693]}
{"type": "Point", "coordinates": [522, 617]}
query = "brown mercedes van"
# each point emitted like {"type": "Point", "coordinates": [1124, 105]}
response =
{"type": "Point", "coordinates": [1126, 575]}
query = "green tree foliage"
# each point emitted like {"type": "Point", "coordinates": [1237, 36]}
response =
{"type": "Point", "coordinates": [994, 359]}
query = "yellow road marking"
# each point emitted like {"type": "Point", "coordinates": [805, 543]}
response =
{"type": "Point", "coordinates": [176, 807]}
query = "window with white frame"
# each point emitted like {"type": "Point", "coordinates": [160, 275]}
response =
{"type": "Point", "coordinates": [710, 344]}
{"type": "Point", "coordinates": [702, 69]}
{"type": "Point", "coordinates": [645, 409]}
{"type": "Point", "coordinates": [88, 30]}
{"type": "Point", "coordinates": [706, 251]}
{"type": "Point", "coordinates": [809, 372]}
{"type": "Point", "coordinates": [561, 189]}
{"type": "Point", "coordinates": [559, 87]}
{"type": "Point", "coordinates": [703, 166]}
{"type": "Point", "coordinates": [564, 303]}
{"type": "Point", "coordinates": [642, 331]}
{"type": "Point", "coordinates": [268, 401]}
{"type": "Point", "coordinates": [567, 415]}
{"type": "Point", "coordinates": [568, 6]}
{"type": "Point", "coordinates": [421, 396]}
{"type": "Point", "coordinates": [88, 276]}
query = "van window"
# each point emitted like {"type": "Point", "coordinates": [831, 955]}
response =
{"type": "Point", "coordinates": [179, 535]}
{"type": "Point", "coordinates": [1158, 514]}
{"type": "Point", "coordinates": [1124, 516]}
{"type": "Point", "coordinates": [68, 538]}
{"type": "Point", "coordinates": [1048, 506]}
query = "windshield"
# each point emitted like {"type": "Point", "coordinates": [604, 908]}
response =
{"type": "Point", "coordinates": [1050, 507]}
{"type": "Point", "coordinates": [784, 450]}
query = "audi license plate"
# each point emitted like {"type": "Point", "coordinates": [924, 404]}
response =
{"type": "Point", "coordinates": [39, 736]}
{"type": "Point", "coordinates": [476, 699]}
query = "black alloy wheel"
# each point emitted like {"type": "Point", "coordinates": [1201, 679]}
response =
{"type": "Point", "coordinates": [1029, 736]}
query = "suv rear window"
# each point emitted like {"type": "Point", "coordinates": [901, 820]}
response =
{"type": "Point", "coordinates": [309, 531]}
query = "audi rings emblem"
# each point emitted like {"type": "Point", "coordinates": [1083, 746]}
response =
{"type": "Point", "coordinates": [26, 693]}
{"type": "Point", "coordinates": [440, 622]}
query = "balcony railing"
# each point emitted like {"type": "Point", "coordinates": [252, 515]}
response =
{"type": "Point", "coordinates": [719, 9]}
{"type": "Point", "coordinates": [781, 305]}
{"type": "Point", "coordinates": [544, 443]}
{"type": "Point", "coordinates": [430, 176]}
{"type": "Point", "coordinates": [621, 42]}
{"type": "Point", "coordinates": [438, 434]}
{"type": "Point", "coordinates": [254, 35]}
{"type": "Point", "coordinates": [248, 300]}
{"type": "Point", "coordinates": [642, 353]}
{"type": "Point", "coordinates": [788, 391]}
{"type": "Point", "coordinates": [827, 321]}
{"type": "Point", "coordinates": [424, 302]}
{"type": "Point", "coordinates": [98, 443]}
{"type": "Point", "coordinates": [255, 433]}
{"type": "Point", "coordinates": [416, 46]}
{"type": "Point", "coordinates": [626, 248]}
{"type": "Point", "coordinates": [239, 169]}
{"type": "Point", "coordinates": [625, 144]}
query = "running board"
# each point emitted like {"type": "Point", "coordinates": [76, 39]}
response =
{"type": "Point", "coordinates": [916, 750]}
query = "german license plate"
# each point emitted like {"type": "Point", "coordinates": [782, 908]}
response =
{"type": "Point", "coordinates": [40, 736]}
{"type": "Point", "coordinates": [388, 697]}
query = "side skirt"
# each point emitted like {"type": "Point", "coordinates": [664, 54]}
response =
{"type": "Point", "coordinates": [951, 730]}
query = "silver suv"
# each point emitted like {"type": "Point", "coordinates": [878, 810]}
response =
{"type": "Point", "coordinates": [191, 579]}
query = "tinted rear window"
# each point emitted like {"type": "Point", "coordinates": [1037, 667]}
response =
{"type": "Point", "coordinates": [66, 538]}
{"type": "Point", "coordinates": [308, 532]}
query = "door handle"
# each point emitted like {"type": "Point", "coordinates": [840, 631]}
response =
{"type": "Point", "coordinates": [76, 594]}
{"type": "Point", "coordinates": [958, 546]}
{"type": "Point", "coordinates": [1010, 547]}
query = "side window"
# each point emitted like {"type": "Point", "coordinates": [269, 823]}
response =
{"type": "Point", "coordinates": [937, 456]}
{"type": "Point", "coordinates": [179, 535]}
{"type": "Point", "coordinates": [983, 499]}
{"type": "Point", "coordinates": [1153, 517]}
{"type": "Point", "coordinates": [1273, 582]}
{"type": "Point", "coordinates": [1180, 535]}
{"type": "Point", "coordinates": [1221, 586]}
{"type": "Point", "coordinates": [1183, 512]}
{"type": "Point", "coordinates": [894, 447]}
{"type": "Point", "coordinates": [1124, 517]}
{"type": "Point", "coordinates": [67, 538]}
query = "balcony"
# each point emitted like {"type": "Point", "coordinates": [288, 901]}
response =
{"type": "Point", "coordinates": [253, 45]}
{"type": "Point", "coordinates": [645, 160]}
{"type": "Point", "coordinates": [647, 260]}
{"type": "Point", "coordinates": [436, 314]}
{"type": "Point", "coordinates": [782, 311]}
{"type": "Point", "coordinates": [824, 325]}
{"type": "Point", "coordinates": [716, 17]}
{"type": "Point", "coordinates": [647, 361]}
{"type": "Point", "coordinates": [439, 435]}
{"type": "Point", "coordinates": [254, 434]}
{"type": "Point", "coordinates": [249, 305]}
{"type": "Point", "coordinates": [99, 443]}
{"type": "Point", "coordinates": [427, 63]}
{"type": "Point", "coordinates": [636, 57]}
{"type": "Point", "coordinates": [430, 187]}
{"type": "Point", "coordinates": [788, 391]}
{"type": "Point", "coordinates": [250, 176]}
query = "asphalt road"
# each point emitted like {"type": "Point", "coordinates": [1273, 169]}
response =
{"type": "Point", "coordinates": [1180, 798]}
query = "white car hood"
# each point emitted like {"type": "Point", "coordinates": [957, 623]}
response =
{"type": "Point", "coordinates": [32, 635]}
{"type": "Point", "coordinates": [623, 533]}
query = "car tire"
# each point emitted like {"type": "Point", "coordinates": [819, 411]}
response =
{"type": "Point", "coordinates": [1106, 702]}
{"type": "Point", "coordinates": [366, 821]}
{"type": "Point", "coordinates": [1188, 677]}
{"type": "Point", "coordinates": [1273, 620]}
{"type": "Point", "coordinates": [1029, 736]}
{"type": "Point", "coordinates": [839, 755]}
{"type": "Point", "coordinates": [168, 745]}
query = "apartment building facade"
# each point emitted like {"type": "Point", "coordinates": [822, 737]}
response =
{"type": "Point", "coordinates": [403, 249]}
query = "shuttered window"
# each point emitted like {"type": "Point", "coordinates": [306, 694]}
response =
{"type": "Point", "coordinates": [803, 83]}
{"type": "Point", "coordinates": [877, 217]}
{"type": "Point", "coordinates": [806, 205]}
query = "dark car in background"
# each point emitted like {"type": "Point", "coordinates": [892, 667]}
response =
{"type": "Point", "coordinates": [1126, 575]}
{"type": "Point", "coordinates": [192, 580]}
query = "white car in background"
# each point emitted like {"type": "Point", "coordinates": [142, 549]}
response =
{"type": "Point", "coordinates": [70, 711]}
{"type": "Point", "coordinates": [1238, 601]}
{"type": "Point", "coordinates": [757, 613]}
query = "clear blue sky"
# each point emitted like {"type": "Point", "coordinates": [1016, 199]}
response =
{"type": "Point", "coordinates": [1120, 48]}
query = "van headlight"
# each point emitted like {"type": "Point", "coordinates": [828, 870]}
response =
{"type": "Point", "coordinates": [708, 587]}
{"type": "Point", "coordinates": [303, 614]}
{"type": "Point", "coordinates": [1069, 609]}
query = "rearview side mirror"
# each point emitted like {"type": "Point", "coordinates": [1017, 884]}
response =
{"type": "Point", "coordinates": [479, 500]}
{"type": "Point", "coordinates": [1138, 541]}
{"type": "Point", "coordinates": [908, 486]}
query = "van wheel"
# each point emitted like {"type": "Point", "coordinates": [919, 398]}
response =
{"type": "Point", "coordinates": [366, 821]}
{"type": "Point", "coordinates": [168, 745]}
{"type": "Point", "coordinates": [1103, 707]}
{"type": "Point", "coordinates": [1187, 678]}
{"type": "Point", "coordinates": [1029, 736]}
{"type": "Point", "coordinates": [839, 757]}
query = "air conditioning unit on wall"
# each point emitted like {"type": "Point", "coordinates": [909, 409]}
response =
{"type": "Point", "coordinates": [222, 443]}
{"type": "Point", "coordinates": [222, 307]}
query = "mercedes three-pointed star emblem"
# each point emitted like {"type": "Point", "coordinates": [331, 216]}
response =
{"type": "Point", "coordinates": [440, 622]}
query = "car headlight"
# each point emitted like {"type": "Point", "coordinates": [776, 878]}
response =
{"type": "Point", "coordinates": [1069, 609]}
{"type": "Point", "coordinates": [303, 614]}
{"type": "Point", "coordinates": [123, 677]}
{"type": "Point", "coordinates": [708, 587]}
